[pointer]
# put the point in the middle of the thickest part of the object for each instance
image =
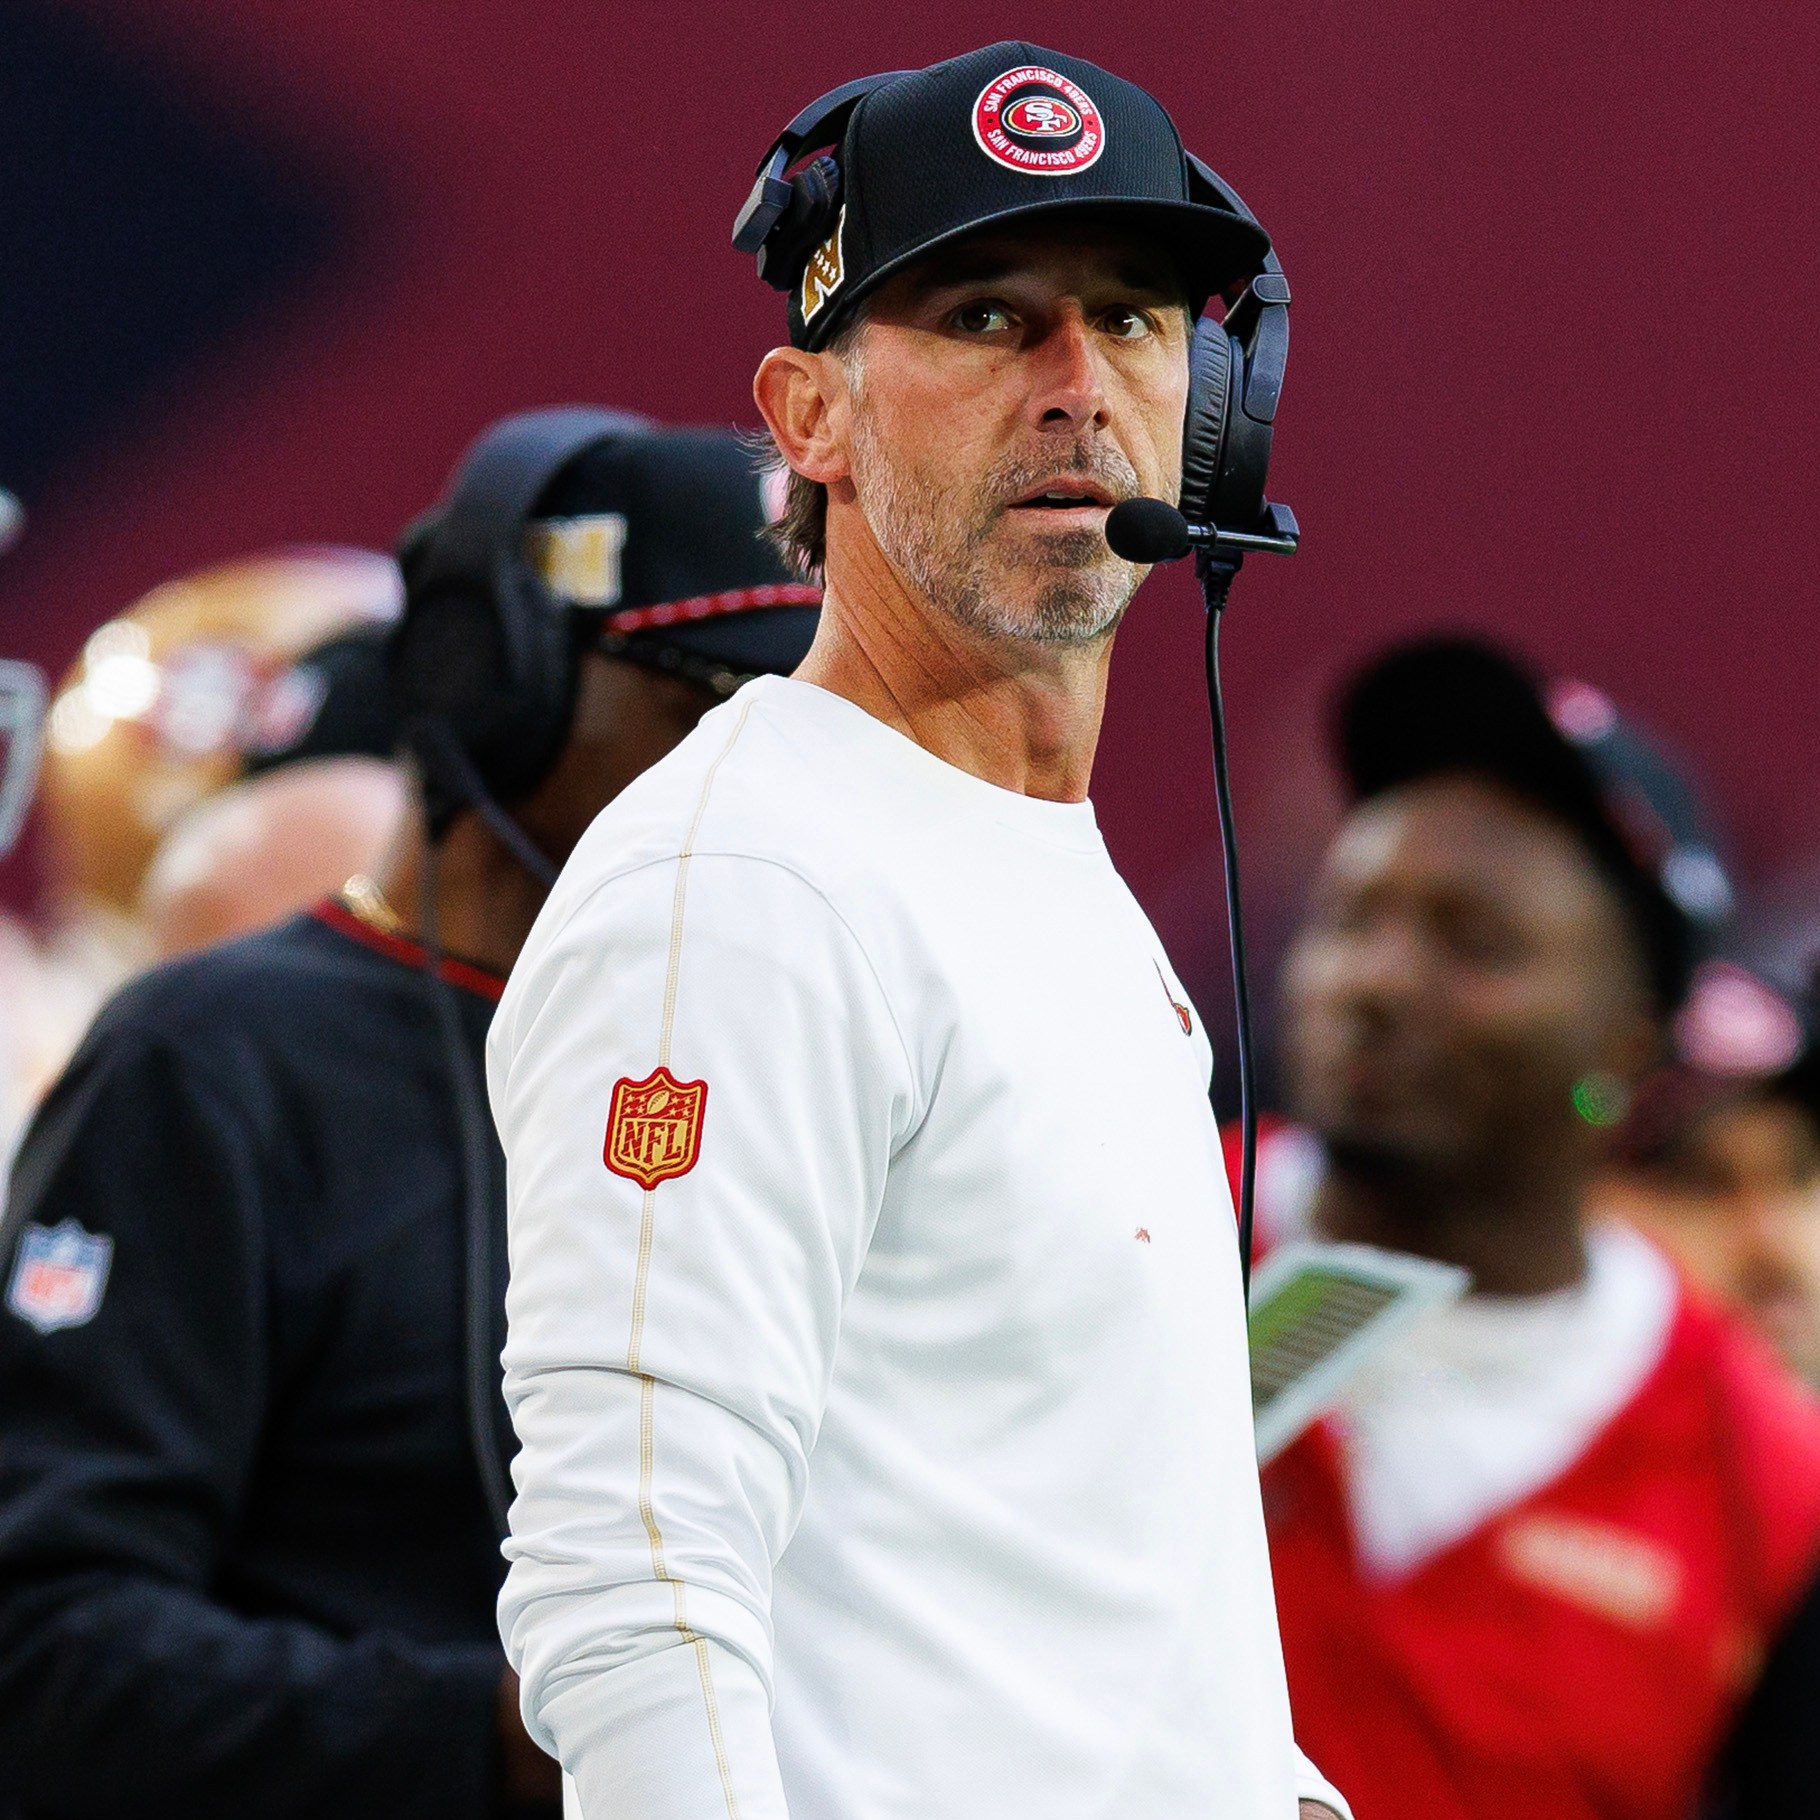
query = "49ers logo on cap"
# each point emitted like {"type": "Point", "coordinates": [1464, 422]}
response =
{"type": "Point", "coordinates": [1033, 120]}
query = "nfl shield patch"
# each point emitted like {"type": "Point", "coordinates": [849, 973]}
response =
{"type": "Point", "coordinates": [59, 1275]}
{"type": "Point", "coordinates": [654, 1127]}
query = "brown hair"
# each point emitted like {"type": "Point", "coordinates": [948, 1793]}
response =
{"type": "Point", "coordinates": [799, 533]}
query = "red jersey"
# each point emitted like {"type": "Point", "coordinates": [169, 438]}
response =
{"type": "Point", "coordinates": [1582, 1653]}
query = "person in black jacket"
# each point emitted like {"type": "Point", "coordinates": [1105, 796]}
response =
{"type": "Point", "coordinates": [250, 1430]}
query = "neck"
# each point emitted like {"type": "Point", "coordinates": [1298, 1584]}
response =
{"type": "Point", "coordinates": [1020, 714]}
{"type": "Point", "coordinates": [1517, 1238]}
{"type": "Point", "coordinates": [486, 901]}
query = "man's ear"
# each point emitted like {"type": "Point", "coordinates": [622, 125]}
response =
{"type": "Point", "coordinates": [804, 399]}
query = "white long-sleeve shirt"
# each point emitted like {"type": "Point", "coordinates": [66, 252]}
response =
{"type": "Point", "coordinates": [889, 1457]}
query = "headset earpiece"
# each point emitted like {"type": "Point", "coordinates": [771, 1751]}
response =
{"type": "Point", "coordinates": [1204, 432]}
{"type": "Point", "coordinates": [787, 216]}
{"type": "Point", "coordinates": [1235, 377]}
{"type": "Point", "coordinates": [484, 651]}
{"type": "Point", "coordinates": [815, 193]}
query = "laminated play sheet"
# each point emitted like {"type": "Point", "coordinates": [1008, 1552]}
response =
{"type": "Point", "coordinates": [1318, 1312]}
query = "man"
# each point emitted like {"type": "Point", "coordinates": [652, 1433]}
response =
{"type": "Point", "coordinates": [1721, 1163]}
{"type": "Point", "coordinates": [249, 1417]}
{"type": "Point", "coordinates": [1533, 1564]}
{"type": "Point", "coordinates": [876, 1344]}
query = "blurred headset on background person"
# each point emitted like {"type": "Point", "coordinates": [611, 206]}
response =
{"type": "Point", "coordinates": [485, 662]}
{"type": "Point", "coordinates": [21, 709]}
{"type": "Point", "coordinates": [21, 741]}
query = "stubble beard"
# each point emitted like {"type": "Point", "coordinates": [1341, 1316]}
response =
{"type": "Point", "coordinates": [942, 546]}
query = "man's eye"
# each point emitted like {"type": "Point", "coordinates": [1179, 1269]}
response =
{"type": "Point", "coordinates": [1127, 325]}
{"type": "Point", "coordinates": [982, 318]}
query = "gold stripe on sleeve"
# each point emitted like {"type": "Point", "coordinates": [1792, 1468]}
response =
{"type": "Point", "coordinates": [647, 1235]}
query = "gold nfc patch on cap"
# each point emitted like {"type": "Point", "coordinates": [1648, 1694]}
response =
{"type": "Point", "coordinates": [579, 558]}
{"type": "Point", "coordinates": [826, 268]}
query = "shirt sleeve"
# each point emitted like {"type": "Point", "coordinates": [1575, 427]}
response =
{"type": "Point", "coordinates": [130, 1422]}
{"type": "Point", "coordinates": [671, 1341]}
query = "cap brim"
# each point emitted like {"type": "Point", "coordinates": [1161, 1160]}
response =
{"type": "Point", "coordinates": [353, 715]}
{"type": "Point", "coordinates": [1213, 248]}
{"type": "Point", "coordinates": [762, 641]}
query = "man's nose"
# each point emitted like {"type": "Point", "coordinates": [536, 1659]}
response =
{"type": "Point", "coordinates": [1382, 970]}
{"type": "Point", "coordinates": [1070, 388]}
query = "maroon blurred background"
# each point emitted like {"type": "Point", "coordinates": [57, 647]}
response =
{"type": "Point", "coordinates": [271, 265]}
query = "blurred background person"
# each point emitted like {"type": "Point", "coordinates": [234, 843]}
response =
{"type": "Point", "coordinates": [1720, 1159]}
{"type": "Point", "coordinates": [251, 1434]}
{"type": "Point", "coordinates": [324, 805]}
{"type": "Point", "coordinates": [1533, 1563]}
{"type": "Point", "coordinates": [264, 848]}
{"type": "Point", "coordinates": [199, 684]}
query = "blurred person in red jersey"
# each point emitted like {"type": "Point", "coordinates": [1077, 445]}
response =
{"type": "Point", "coordinates": [1720, 1161]}
{"type": "Point", "coordinates": [1554, 1547]}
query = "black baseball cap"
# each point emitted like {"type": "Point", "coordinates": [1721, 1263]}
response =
{"type": "Point", "coordinates": [1000, 135]}
{"type": "Point", "coordinates": [333, 702]}
{"type": "Point", "coordinates": [1460, 704]}
{"type": "Point", "coordinates": [656, 540]}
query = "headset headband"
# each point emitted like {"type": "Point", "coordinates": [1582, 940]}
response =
{"type": "Point", "coordinates": [474, 540]}
{"type": "Point", "coordinates": [1267, 295]}
{"type": "Point", "coordinates": [821, 123]}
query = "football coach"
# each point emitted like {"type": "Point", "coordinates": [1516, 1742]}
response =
{"type": "Point", "coordinates": [876, 1341]}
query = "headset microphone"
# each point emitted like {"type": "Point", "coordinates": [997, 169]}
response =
{"type": "Point", "coordinates": [1152, 531]}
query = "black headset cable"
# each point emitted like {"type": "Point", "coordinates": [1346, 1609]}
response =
{"type": "Point", "coordinates": [1216, 575]}
{"type": "Point", "coordinates": [484, 1390]}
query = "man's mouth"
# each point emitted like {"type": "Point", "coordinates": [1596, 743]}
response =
{"type": "Point", "coordinates": [1070, 494]}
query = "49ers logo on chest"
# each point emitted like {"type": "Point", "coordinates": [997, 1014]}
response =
{"type": "Point", "coordinates": [1033, 120]}
{"type": "Point", "coordinates": [654, 1127]}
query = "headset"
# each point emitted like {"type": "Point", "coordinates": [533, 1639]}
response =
{"type": "Point", "coordinates": [1235, 364]}
{"type": "Point", "coordinates": [1235, 378]}
{"type": "Point", "coordinates": [485, 662]}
